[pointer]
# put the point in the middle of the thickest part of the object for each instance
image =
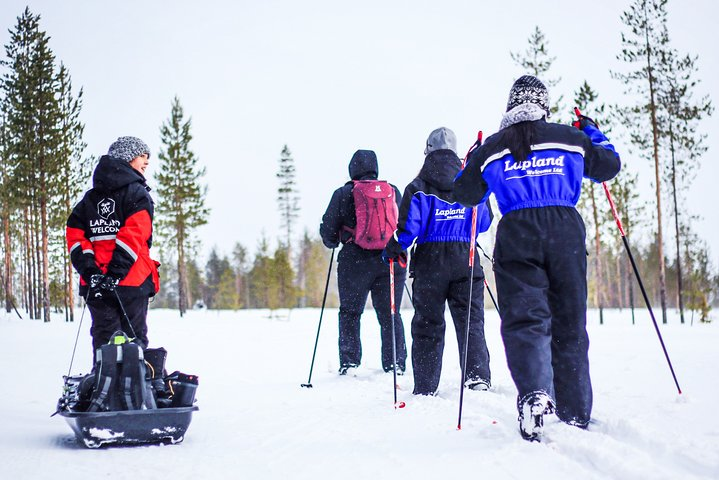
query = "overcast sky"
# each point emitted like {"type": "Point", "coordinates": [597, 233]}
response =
{"type": "Point", "coordinates": [329, 77]}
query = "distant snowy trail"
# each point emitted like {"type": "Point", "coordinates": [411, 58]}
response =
{"type": "Point", "coordinates": [256, 421]}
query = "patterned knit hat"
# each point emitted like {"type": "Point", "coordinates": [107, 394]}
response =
{"type": "Point", "coordinates": [528, 89]}
{"type": "Point", "coordinates": [128, 148]}
{"type": "Point", "coordinates": [528, 101]}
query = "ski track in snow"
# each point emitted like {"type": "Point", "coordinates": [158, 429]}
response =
{"type": "Point", "coordinates": [255, 421]}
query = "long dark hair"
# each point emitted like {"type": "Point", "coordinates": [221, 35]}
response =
{"type": "Point", "coordinates": [519, 138]}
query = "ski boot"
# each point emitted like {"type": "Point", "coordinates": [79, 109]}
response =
{"type": "Point", "coordinates": [532, 408]}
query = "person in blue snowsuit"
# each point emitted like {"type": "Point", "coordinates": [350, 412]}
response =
{"type": "Point", "coordinates": [361, 272]}
{"type": "Point", "coordinates": [535, 170]}
{"type": "Point", "coordinates": [441, 229]}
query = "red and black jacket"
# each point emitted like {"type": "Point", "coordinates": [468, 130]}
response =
{"type": "Point", "coordinates": [110, 230]}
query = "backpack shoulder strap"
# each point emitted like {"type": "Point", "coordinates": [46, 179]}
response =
{"type": "Point", "coordinates": [133, 387]}
{"type": "Point", "coordinates": [105, 378]}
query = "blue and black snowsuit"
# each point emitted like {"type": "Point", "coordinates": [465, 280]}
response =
{"type": "Point", "coordinates": [540, 255]}
{"type": "Point", "coordinates": [441, 229]}
{"type": "Point", "coordinates": [360, 272]}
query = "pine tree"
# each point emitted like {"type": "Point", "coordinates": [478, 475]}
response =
{"type": "Point", "coordinates": [241, 266]}
{"type": "Point", "coordinates": [702, 279]}
{"type": "Point", "coordinates": [644, 46]}
{"type": "Point", "coordinates": [287, 196]}
{"type": "Point", "coordinates": [680, 117]}
{"type": "Point", "coordinates": [283, 292]}
{"type": "Point", "coordinates": [624, 189]}
{"type": "Point", "coordinates": [312, 270]}
{"type": "Point", "coordinates": [33, 117]}
{"type": "Point", "coordinates": [181, 207]}
{"type": "Point", "coordinates": [226, 296]}
{"type": "Point", "coordinates": [260, 276]}
{"type": "Point", "coordinates": [536, 61]}
{"type": "Point", "coordinates": [74, 172]}
{"type": "Point", "coordinates": [216, 272]}
{"type": "Point", "coordinates": [196, 284]}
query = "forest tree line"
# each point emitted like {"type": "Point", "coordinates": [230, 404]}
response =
{"type": "Point", "coordinates": [45, 167]}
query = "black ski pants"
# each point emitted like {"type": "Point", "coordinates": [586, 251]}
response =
{"type": "Point", "coordinates": [540, 266]}
{"type": "Point", "coordinates": [359, 273]}
{"type": "Point", "coordinates": [441, 274]}
{"type": "Point", "coordinates": [107, 317]}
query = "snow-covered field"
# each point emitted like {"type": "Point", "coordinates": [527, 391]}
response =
{"type": "Point", "coordinates": [256, 422]}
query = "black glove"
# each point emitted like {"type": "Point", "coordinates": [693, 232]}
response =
{"type": "Point", "coordinates": [582, 121]}
{"type": "Point", "coordinates": [89, 273]}
{"type": "Point", "coordinates": [109, 283]}
{"type": "Point", "coordinates": [101, 285]}
{"type": "Point", "coordinates": [400, 258]}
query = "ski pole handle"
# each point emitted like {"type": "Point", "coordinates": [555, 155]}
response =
{"type": "Point", "coordinates": [476, 144]}
{"type": "Point", "coordinates": [579, 115]}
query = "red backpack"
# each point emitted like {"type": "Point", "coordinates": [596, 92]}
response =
{"type": "Point", "coordinates": [376, 211]}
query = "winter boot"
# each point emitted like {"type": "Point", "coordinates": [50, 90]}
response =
{"type": "Point", "coordinates": [390, 369]}
{"type": "Point", "coordinates": [477, 384]}
{"type": "Point", "coordinates": [532, 408]}
{"type": "Point", "coordinates": [344, 368]}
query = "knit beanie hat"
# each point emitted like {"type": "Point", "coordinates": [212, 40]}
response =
{"type": "Point", "coordinates": [528, 100]}
{"type": "Point", "coordinates": [128, 148]}
{"type": "Point", "coordinates": [441, 139]}
{"type": "Point", "coordinates": [528, 89]}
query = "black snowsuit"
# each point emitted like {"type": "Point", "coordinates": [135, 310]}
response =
{"type": "Point", "coordinates": [540, 256]}
{"type": "Point", "coordinates": [442, 232]}
{"type": "Point", "coordinates": [361, 272]}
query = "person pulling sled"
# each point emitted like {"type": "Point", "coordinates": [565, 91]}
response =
{"type": "Point", "coordinates": [128, 397]}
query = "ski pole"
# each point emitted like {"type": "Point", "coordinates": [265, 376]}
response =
{"type": "Point", "coordinates": [77, 337]}
{"type": "Point", "coordinates": [636, 273]}
{"type": "Point", "coordinates": [472, 254]}
{"type": "Point", "coordinates": [409, 295]}
{"type": "Point", "coordinates": [469, 313]}
{"type": "Point", "coordinates": [491, 261]}
{"type": "Point", "coordinates": [319, 325]}
{"type": "Point", "coordinates": [124, 314]}
{"type": "Point", "coordinates": [393, 309]}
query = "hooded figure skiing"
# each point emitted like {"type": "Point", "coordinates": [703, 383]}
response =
{"type": "Point", "coordinates": [442, 231]}
{"type": "Point", "coordinates": [360, 271]}
{"type": "Point", "coordinates": [535, 169]}
{"type": "Point", "coordinates": [109, 235]}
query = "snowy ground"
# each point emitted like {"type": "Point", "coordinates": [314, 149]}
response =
{"type": "Point", "coordinates": [256, 422]}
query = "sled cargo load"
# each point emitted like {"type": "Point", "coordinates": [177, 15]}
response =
{"type": "Point", "coordinates": [128, 398]}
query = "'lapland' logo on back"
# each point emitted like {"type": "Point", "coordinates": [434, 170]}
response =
{"type": "Point", "coordinates": [442, 214]}
{"type": "Point", "coordinates": [106, 207]}
{"type": "Point", "coordinates": [534, 163]}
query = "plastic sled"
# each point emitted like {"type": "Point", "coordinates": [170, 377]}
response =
{"type": "Point", "coordinates": [130, 427]}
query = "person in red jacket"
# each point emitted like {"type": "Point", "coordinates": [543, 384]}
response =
{"type": "Point", "coordinates": [109, 235]}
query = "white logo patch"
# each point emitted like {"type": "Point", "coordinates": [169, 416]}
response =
{"type": "Point", "coordinates": [106, 207]}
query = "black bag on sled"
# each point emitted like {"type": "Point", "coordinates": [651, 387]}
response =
{"type": "Point", "coordinates": [120, 378]}
{"type": "Point", "coordinates": [129, 398]}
